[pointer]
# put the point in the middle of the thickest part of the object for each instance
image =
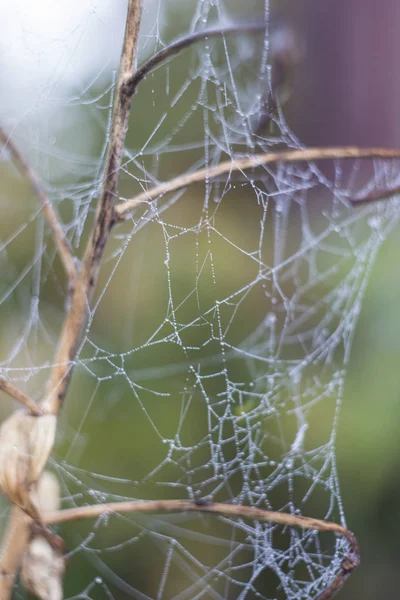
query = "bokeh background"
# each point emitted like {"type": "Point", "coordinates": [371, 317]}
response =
{"type": "Point", "coordinates": [344, 90]}
{"type": "Point", "coordinates": [347, 93]}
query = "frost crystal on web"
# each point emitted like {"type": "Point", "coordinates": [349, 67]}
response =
{"type": "Point", "coordinates": [213, 364]}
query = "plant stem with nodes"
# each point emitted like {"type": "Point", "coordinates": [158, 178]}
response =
{"type": "Point", "coordinates": [108, 215]}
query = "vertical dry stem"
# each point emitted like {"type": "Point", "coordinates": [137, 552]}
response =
{"type": "Point", "coordinates": [14, 543]}
{"type": "Point", "coordinates": [86, 280]}
{"type": "Point", "coordinates": [18, 528]}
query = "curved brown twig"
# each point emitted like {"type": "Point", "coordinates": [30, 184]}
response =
{"type": "Point", "coordinates": [376, 196]}
{"type": "Point", "coordinates": [350, 561]}
{"type": "Point", "coordinates": [10, 389]}
{"type": "Point", "coordinates": [175, 47]}
{"type": "Point", "coordinates": [243, 164]}
{"type": "Point", "coordinates": [59, 238]}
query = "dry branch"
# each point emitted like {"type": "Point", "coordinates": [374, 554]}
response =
{"type": "Point", "coordinates": [86, 279]}
{"type": "Point", "coordinates": [350, 561]}
{"type": "Point", "coordinates": [10, 389]}
{"type": "Point", "coordinates": [175, 47]}
{"type": "Point", "coordinates": [57, 231]}
{"type": "Point", "coordinates": [14, 543]}
{"type": "Point", "coordinates": [243, 164]}
{"type": "Point", "coordinates": [376, 196]}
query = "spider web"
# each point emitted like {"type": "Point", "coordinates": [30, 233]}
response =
{"type": "Point", "coordinates": [214, 360]}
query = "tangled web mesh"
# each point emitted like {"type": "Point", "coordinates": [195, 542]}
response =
{"type": "Point", "coordinates": [214, 360]}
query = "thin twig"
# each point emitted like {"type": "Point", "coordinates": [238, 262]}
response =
{"type": "Point", "coordinates": [10, 389]}
{"type": "Point", "coordinates": [233, 510]}
{"type": "Point", "coordinates": [375, 196]}
{"type": "Point", "coordinates": [350, 561]}
{"type": "Point", "coordinates": [86, 280]}
{"type": "Point", "coordinates": [175, 47]}
{"type": "Point", "coordinates": [243, 164]}
{"type": "Point", "coordinates": [53, 222]}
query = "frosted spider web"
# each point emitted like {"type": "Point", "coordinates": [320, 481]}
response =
{"type": "Point", "coordinates": [214, 360]}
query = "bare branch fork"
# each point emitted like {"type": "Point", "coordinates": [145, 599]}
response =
{"type": "Point", "coordinates": [26, 438]}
